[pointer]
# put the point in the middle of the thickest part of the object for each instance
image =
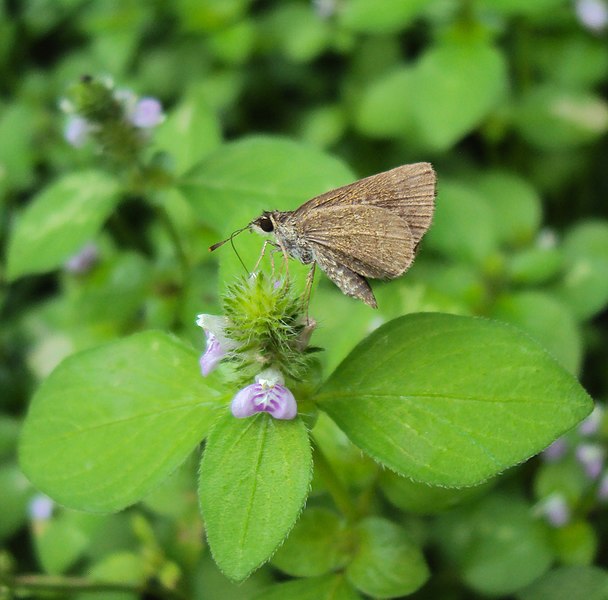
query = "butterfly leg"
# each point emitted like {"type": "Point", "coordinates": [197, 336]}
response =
{"type": "Point", "coordinates": [257, 264]}
{"type": "Point", "coordinates": [309, 281]}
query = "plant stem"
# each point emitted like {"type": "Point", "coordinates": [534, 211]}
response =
{"type": "Point", "coordinates": [336, 489]}
{"type": "Point", "coordinates": [30, 585]}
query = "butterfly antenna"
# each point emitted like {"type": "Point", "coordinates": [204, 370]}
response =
{"type": "Point", "coordinates": [231, 240]}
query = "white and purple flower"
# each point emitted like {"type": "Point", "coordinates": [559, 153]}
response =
{"type": "Point", "coordinates": [267, 394]}
{"type": "Point", "coordinates": [218, 344]}
{"type": "Point", "coordinates": [591, 457]}
{"type": "Point", "coordinates": [77, 131]}
{"type": "Point", "coordinates": [555, 510]}
{"type": "Point", "coordinates": [147, 113]}
{"type": "Point", "coordinates": [592, 14]}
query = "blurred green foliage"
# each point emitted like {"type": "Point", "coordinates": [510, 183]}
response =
{"type": "Point", "coordinates": [508, 100]}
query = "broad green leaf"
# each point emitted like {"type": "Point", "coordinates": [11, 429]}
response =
{"type": "Point", "coordinates": [554, 118]}
{"type": "Point", "coordinates": [456, 85]}
{"type": "Point", "coordinates": [584, 287]}
{"type": "Point", "coordinates": [384, 108]}
{"type": "Point", "coordinates": [254, 480]}
{"type": "Point", "coordinates": [109, 424]}
{"type": "Point", "coordinates": [515, 205]}
{"type": "Point", "coordinates": [380, 16]}
{"type": "Point", "coordinates": [420, 498]}
{"type": "Point", "coordinates": [243, 178]}
{"type": "Point", "coordinates": [569, 583]}
{"type": "Point", "coordinates": [387, 564]}
{"type": "Point", "coordinates": [537, 313]}
{"type": "Point", "coordinates": [464, 227]}
{"type": "Point", "coordinates": [318, 544]}
{"type": "Point", "coordinates": [59, 221]}
{"type": "Point", "coordinates": [328, 587]}
{"type": "Point", "coordinates": [451, 400]}
{"type": "Point", "coordinates": [498, 544]}
{"type": "Point", "coordinates": [190, 132]}
{"type": "Point", "coordinates": [522, 7]}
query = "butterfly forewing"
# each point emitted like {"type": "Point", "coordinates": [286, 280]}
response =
{"type": "Point", "coordinates": [408, 191]}
{"type": "Point", "coordinates": [372, 241]}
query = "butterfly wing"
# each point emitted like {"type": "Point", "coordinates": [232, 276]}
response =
{"type": "Point", "coordinates": [369, 240]}
{"type": "Point", "coordinates": [408, 191]}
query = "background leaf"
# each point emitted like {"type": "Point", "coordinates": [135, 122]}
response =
{"type": "Point", "coordinates": [59, 221]}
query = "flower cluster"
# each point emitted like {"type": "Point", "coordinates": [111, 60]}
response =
{"type": "Point", "coordinates": [587, 457]}
{"type": "Point", "coordinates": [264, 335]}
{"type": "Point", "coordinates": [115, 119]}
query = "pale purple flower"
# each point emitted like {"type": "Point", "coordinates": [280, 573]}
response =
{"type": "Point", "coordinates": [40, 508]}
{"type": "Point", "coordinates": [218, 344]}
{"type": "Point", "coordinates": [593, 14]}
{"type": "Point", "coordinates": [591, 457]}
{"type": "Point", "coordinates": [267, 394]}
{"type": "Point", "coordinates": [324, 8]}
{"type": "Point", "coordinates": [83, 261]}
{"type": "Point", "coordinates": [147, 113]}
{"type": "Point", "coordinates": [555, 451]}
{"type": "Point", "coordinates": [592, 423]}
{"type": "Point", "coordinates": [602, 489]}
{"type": "Point", "coordinates": [77, 131]}
{"type": "Point", "coordinates": [555, 510]}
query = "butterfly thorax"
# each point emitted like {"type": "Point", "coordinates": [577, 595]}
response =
{"type": "Point", "coordinates": [288, 238]}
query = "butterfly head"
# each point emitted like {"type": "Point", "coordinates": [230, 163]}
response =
{"type": "Point", "coordinates": [265, 223]}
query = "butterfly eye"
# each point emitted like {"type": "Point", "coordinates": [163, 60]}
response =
{"type": "Point", "coordinates": [266, 224]}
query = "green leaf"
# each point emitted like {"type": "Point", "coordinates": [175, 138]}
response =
{"type": "Point", "coordinates": [420, 498]}
{"type": "Point", "coordinates": [190, 133]}
{"type": "Point", "coordinates": [534, 265]}
{"type": "Point", "coordinates": [450, 400]}
{"type": "Point", "coordinates": [515, 205]}
{"type": "Point", "coordinates": [553, 118]}
{"type": "Point", "coordinates": [584, 287]}
{"type": "Point", "coordinates": [16, 495]}
{"type": "Point", "coordinates": [576, 543]}
{"type": "Point", "coordinates": [59, 221]}
{"type": "Point", "coordinates": [316, 545]}
{"type": "Point", "coordinates": [254, 480]}
{"type": "Point", "coordinates": [64, 539]}
{"type": "Point", "coordinates": [328, 587]}
{"type": "Point", "coordinates": [537, 313]}
{"type": "Point", "coordinates": [569, 583]}
{"type": "Point", "coordinates": [384, 108]}
{"type": "Point", "coordinates": [387, 563]}
{"type": "Point", "coordinates": [456, 85]}
{"type": "Point", "coordinates": [109, 424]}
{"type": "Point", "coordinates": [498, 544]}
{"type": "Point", "coordinates": [243, 178]}
{"type": "Point", "coordinates": [463, 226]}
{"type": "Point", "coordinates": [299, 34]}
{"type": "Point", "coordinates": [380, 16]}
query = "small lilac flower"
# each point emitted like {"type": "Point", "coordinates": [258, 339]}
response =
{"type": "Point", "coordinates": [592, 423]}
{"type": "Point", "coordinates": [267, 394]}
{"type": "Point", "coordinates": [217, 342]}
{"type": "Point", "coordinates": [591, 457]}
{"type": "Point", "coordinates": [324, 8]}
{"type": "Point", "coordinates": [593, 14]}
{"type": "Point", "coordinates": [77, 131]}
{"type": "Point", "coordinates": [41, 508]}
{"type": "Point", "coordinates": [147, 113]}
{"type": "Point", "coordinates": [602, 489]}
{"type": "Point", "coordinates": [555, 510]}
{"type": "Point", "coordinates": [83, 261]}
{"type": "Point", "coordinates": [555, 451]}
